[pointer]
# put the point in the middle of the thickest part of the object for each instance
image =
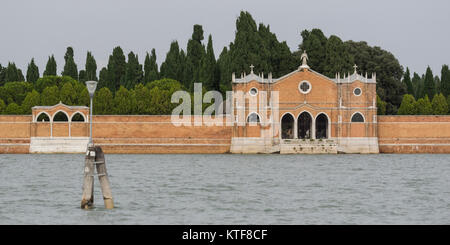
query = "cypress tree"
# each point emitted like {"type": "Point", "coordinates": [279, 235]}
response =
{"type": "Point", "coordinates": [50, 68]}
{"type": "Point", "coordinates": [91, 68]}
{"type": "Point", "coordinates": [417, 82]}
{"type": "Point", "coordinates": [407, 82]}
{"type": "Point", "coordinates": [207, 73]}
{"type": "Point", "coordinates": [2, 75]}
{"type": "Point", "coordinates": [173, 66]}
{"type": "Point", "coordinates": [133, 71]}
{"type": "Point", "coordinates": [12, 74]}
{"type": "Point", "coordinates": [82, 76]}
{"type": "Point", "coordinates": [32, 72]}
{"type": "Point", "coordinates": [150, 67]}
{"type": "Point", "coordinates": [429, 85]}
{"type": "Point", "coordinates": [102, 78]}
{"type": "Point", "coordinates": [70, 68]}
{"type": "Point", "coordinates": [445, 80]}
{"type": "Point", "coordinates": [194, 55]}
{"type": "Point", "coordinates": [116, 69]}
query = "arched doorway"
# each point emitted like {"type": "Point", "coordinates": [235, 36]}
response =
{"type": "Point", "coordinates": [321, 126]}
{"type": "Point", "coordinates": [287, 126]}
{"type": "Point", "coordinates": [304, 125]}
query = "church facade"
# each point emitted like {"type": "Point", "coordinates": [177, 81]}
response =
{"type": "Point", "coordinates": [305, 112]}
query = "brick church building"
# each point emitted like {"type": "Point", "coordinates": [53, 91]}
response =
{"type": "Point", "coordinates": [305, 112]}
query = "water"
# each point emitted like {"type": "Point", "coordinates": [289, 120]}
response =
{"type": "Point", "coordinates": [230, 189]}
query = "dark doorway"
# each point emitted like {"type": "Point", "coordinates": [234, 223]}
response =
{"type": "Point", "coordinates": [321, 127]}
{"type": "Point", "coordinates": [287, 127]}
{"type": "Point", "coordinates": [304, 126]}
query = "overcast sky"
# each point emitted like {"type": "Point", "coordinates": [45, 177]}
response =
{"type": "Point", "coordinates": [416, 32]}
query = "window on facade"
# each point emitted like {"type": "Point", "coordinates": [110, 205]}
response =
{"type": "Point", "coordinates": [253, 91]}
{"type": "Point", "coordinates": [305, 87]}
{"type": "Point", "coordinates": [253, 118]}
{"type": "Point", "coordinates": [357, 117]}
{"type": "Point", "coordinates": [357, 91]}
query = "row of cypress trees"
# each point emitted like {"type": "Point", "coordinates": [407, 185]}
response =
{"type": "Point", "coordinates": [253, 44]}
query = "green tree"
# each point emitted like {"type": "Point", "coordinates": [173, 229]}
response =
{"type": "Point", "coordinates": [123, 102]}
{"type": "Point", "coordinates": [70, 68]}
{"type": "Point", "coordinates": [15, 91]}
{"type": "Point", "coordinates": [32, 99]}
{"type": "Point", "coordinates": [173, 66]}
{"type": "Point", "coordinates": [337, 57]}
{"type": "Point", "coordinates": [314, 43]}
{"type": "Point", "coordinates": [50, 96]}
{"type": "Point", "coordinates": [116, 69]}
{"type": "Point", "coordinates": [2, 106]}
{"type": "Point", "coordinates": [194, 55]}
{"type": "Point", "coordinates": [50, 68]}
{"type": "Point", "coordinates": [387, 68]}
{"type": "Point", "coordinates": [32, 72]}
{"type": "Point", "coordinates": [13, 109]}
{"type": "Point", "coordinates": [429, 85]}
{"type": "Point", "coordinates": [407, 82]}
{"type": "Point", "coordinates": [208, 68]}
{"type": "Point", "coordinates": [102, 78]}
{"type": "Point", "coordinates": [143, 99]}
{"type": "Point", "coordinates": [381, 106]}
{"type": "Point", "coordinates": [439, 105]}
{"type": "Point", "coordinates": [12, 74]}
{"type": "Point", "coordinates": [82, 94]}
{"type": "Point", "coordinates": [418, 86]}
{"type": "Point", "coordinates": [67, 94]}
{"type": "Point", "coordinates": [423, 106]}
{"type": "Point", "coordinates": [408, 105]}
{"type": "Point", "coordinates": [133, 71]}
{"type": "Point", "coordinates": [82, 76]}
{"type": "Point", "coordinates": [2, 74]}
{"type": "Point", "coordinates": [445, 80]}
{"type": "Point", "coordinates": [448, 103]}
{"type": "Point", "coordinates": [150, 67]}
{"type": "Point", "coordinates": [90, 68]}
{"type": "Point", "coordinates": [161, 94]}
{"type": "Point", "coordinates": [48, 81]}
{"type": "Point", "coordinates": [103, 102]}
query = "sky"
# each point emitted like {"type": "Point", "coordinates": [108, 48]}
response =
{"type": "Point", "coordinates": [416, 32]}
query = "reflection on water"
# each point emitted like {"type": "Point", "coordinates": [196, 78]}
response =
{"type": "Point", "coordinates": [231, 189]}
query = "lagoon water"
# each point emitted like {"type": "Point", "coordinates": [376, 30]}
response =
{"type": "Point", "coordinates": [230, 189]}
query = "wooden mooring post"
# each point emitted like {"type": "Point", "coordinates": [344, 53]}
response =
{"type": "Point", "coordinates": [95, 157]}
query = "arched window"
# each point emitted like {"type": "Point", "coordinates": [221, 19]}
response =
{"type": "Point", "coordinates": [43, 117]}
{"type": "Point", "coordinates": [77, 117]}
{"type": "Point", "coordinates": [60, 117]}
{"type": "Point", "coordinates": [357, 117]}
{"type": "Point", "coordinates": [287, 126]}
{"type": "Point", "coordinates": [321, 126]}
{"type": "Point", "coordinates": [253, 118]}
{"type": "Point", "coordinates": [304, 125]}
